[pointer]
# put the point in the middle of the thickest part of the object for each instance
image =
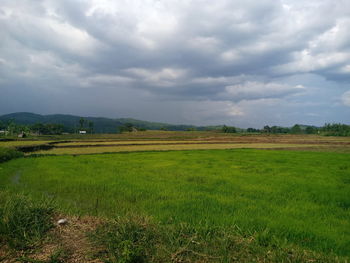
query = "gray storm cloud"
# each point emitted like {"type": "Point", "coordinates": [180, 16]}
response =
{"type": "Point", "coordinates": [245, 63]}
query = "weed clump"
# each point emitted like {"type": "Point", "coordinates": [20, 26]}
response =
{"type": "Point", "coordinates": [127, 240]}
{"type": "Point", "coordinates": [24, 222]}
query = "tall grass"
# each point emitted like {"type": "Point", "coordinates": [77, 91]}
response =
{"type": "Point", "coordinates": [23, 222]}
{"type": "Point", "coordinates": [138, 239]}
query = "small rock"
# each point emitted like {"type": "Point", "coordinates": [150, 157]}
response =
{"type": "Point", "coordinates": [62, 221]}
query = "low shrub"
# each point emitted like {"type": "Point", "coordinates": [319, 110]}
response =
{"type": "Point", "coordinates": [7, 154]}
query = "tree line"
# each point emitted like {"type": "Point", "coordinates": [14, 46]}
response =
{"type": "Point", "coordinates": [12, 128]}
{"type": "Point", "coordinates": [334, 129]}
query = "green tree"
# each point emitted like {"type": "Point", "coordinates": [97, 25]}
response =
{"type": "Point", "coordinates": [253, 130]}
{"type": "Point", "coordinates": [127, 127]}
{"type": "Point", "coordinates": [91, 126]}
{"type": "Point", "coordinates": [336, 129]}
{"type": "Point", "coordinates": [81, 123]}
{"type": "Point", "coordinates": [12, 127]}
{"type": "Point", "coordinates": [38, 128]}
{"type": "Point", "coordinates": [267, 129]}
{"type": "Point", "coordinates": [228, 129]}
{"type": "Point", "coordinates": [296, 129]}
{"type": "Point", "coordinates": [278, 129]}
{"type": "Point", "coordinates": [311, 130]}
{"type": "Point", "coordinates": [47, 129]}
{"type": "Point", "coordinates": [54, 128]}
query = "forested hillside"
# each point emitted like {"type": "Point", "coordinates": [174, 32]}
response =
{"type": "Point", "coordinates": [100, 125]}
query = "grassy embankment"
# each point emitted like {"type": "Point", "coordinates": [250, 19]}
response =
{"type": "Point", "coordinates": [13, 144]}
{"type": "Point", "coordinates": [7, 154]}
{"type": "Point", "coordinates": [291, 198]}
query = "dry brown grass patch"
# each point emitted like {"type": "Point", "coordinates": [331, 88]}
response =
{"type": "Point", "coordinates": [68, 242]}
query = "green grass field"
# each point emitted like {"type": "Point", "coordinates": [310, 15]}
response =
{"type": "Point", "coordinates": [168, 147]}
{"type": "Point", "coordinates": [300, 198]}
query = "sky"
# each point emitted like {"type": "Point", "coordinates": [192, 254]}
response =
{"type": "Point", "coordinates": [243, 63]}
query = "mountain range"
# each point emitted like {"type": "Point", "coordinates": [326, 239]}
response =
{"type": "Point", "coordinates": [101, 125]}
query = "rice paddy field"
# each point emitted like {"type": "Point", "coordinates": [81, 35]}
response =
{"type": "Point", "coordinates": [13, 144]}
{"type": "Point", "coordinates": [292, 190]}
{"type": "Point", "coordinates": [165, 141]}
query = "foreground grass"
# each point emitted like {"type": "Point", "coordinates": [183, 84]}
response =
{"type": "Point", "coordinates": [140, 239]}
{"type": "Point", "coordinates": [28, 235]}
{"type": "Point", "coordinates": [23, 223]}
{"type": "Point", "coordinates": [299, 198]}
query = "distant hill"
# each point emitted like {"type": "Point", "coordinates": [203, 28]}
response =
{"type": "Point", "coordinates": [101, 125]}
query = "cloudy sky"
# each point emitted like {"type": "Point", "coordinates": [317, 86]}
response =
{"type": "Point", "coordinates": [244, 63]}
